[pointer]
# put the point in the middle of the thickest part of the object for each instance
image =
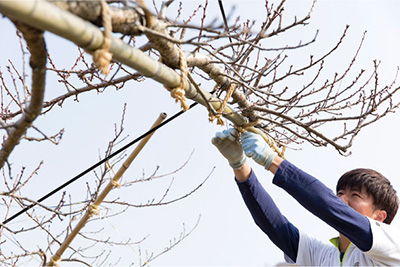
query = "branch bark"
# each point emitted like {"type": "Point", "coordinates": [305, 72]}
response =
{"type": "Point", "coordinates": [37, 47]}
{"type": "Point", "coordinates": [123, 20]}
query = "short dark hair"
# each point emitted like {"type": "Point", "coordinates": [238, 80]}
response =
{"type": "Point", "coordinates": [378, 186]}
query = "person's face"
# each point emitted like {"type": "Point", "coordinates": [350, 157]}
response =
{"type": "Point", "coordinates": [361, 202]}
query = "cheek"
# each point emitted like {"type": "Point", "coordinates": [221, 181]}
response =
{"type": "Point", "coordinates": [363, 208]}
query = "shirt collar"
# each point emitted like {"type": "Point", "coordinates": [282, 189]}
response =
{"type": "Point", "coordinates": [335, 241]}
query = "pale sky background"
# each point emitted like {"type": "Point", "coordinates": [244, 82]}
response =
{"type": "Point", "coordinates": [226, 234]}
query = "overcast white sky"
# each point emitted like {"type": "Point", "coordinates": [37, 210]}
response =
{"type": "Point", "coordinates": [226, 234]}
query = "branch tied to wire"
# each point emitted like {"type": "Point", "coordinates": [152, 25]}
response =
{"type": "Point", "coordinates": [179, 92]}
{"type": "Point", "coordinates": [212, 115]}
{"type": "Point", "coordinates": [54, 261]}
{"type": "Point", "coordinates": [93, 209]}
{"type": "Point", "coordinates": [102, 57]}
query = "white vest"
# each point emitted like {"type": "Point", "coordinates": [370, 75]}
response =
{"type": "Point", "coordinates": [385, 250]}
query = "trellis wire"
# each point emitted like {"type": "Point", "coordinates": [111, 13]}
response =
{"type": "Point", "coordinates": [94, 166]}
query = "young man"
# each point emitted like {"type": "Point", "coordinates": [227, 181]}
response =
{"type": "Point", "coordinates": [361, 212]}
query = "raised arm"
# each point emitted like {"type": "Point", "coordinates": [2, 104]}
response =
{"type": "Point", "coordinates": [323, 203]}
{"type": "Point", "coordinates": [267, 215]}
{"type": "Point", "coordinates": [311, 194]}
{"type": "Point", "coordinates": [261, 206]}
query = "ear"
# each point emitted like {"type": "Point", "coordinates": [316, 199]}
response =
{"type": "Point", "coordinates": [380, 215]}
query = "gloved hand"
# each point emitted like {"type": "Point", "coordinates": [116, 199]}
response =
{"type": "Point", "coordinates": [230, 148]}
{"type": "Point", "coordinates": [258, 149]}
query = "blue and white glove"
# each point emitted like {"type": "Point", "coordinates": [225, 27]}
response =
{"type": "Point", "coordinates": [230, 148]}
{"type": "Point", "coordinates": [255, 147]}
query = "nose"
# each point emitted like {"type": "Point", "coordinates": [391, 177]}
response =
{"type": "Point", "coordinates": [344, 198]}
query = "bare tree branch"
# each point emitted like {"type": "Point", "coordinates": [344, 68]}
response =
{"type": "Point", "coordinates": [37, 47]}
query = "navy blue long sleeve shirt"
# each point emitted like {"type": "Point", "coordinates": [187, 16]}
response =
{"type": "Point", "coordinates": [311, 194]}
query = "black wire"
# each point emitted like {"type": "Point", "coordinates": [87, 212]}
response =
{"type": "Point", "coordinates": [221, 7]}
{"type": "Point", "coordinates": [95, 166]}
{"type": "Point", "coordinates": [116, 152]}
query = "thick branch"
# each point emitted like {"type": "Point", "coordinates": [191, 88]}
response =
{"type": "Point", "coordinates": [124, 20]}
{"type": "Point", "coordinates": [218, 75]}
{"type": "Point", "coordinates": [37, 47]}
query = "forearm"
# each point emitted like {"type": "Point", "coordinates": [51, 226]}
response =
{"type": "Point", "coordinates": [243, 173]}
{"type": "Point", "coordinates": [266, 214]}
{"type": "Point", "coordinates": [277, 161]}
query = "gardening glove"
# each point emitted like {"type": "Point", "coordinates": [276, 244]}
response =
{"type": "Point", "coordinates": [230, 148]}
{"type": "Point", "coordinates": [256, 147]}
